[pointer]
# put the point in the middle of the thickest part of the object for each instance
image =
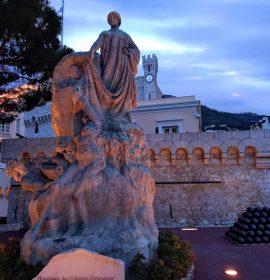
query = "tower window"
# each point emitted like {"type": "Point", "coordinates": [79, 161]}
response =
{"type": "Point", "coordinates": [36, 127]}
{"type": "Point", "coordinates": [148, 67]}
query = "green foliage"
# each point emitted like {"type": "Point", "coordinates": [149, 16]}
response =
{"type": "Point", "coordinates": [138, 269]}
{"type": "Point", "coordinates": [29, 49]}
{"type": "Point", "coordinates": [241, 121]}
{"type": "Point", "coordinates": [173, 260]}
{"type": "Point", "coordinates": [29, 43]}
{"type": "Point", "coordinates": [11, 266]}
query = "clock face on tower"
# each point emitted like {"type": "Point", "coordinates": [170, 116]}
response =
{"type": "Point", "coordinates": [149, 78]}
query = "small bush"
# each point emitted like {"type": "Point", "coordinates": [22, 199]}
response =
{"type": "Point", "coordinates": [173, 260]}
{"type": "Point", "coordinates": [11, 266]}
{"type": "Point", "coordinates": [3, 220]}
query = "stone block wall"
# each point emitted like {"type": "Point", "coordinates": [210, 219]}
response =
{"type": "Point", "coordinates": [202, 179]}
{"type": "Point", "coordinates": [208, 195]}
{"type": "Point", "coordinates": [18, 206]}
{"type": "Point", "coordinates": [206, 179]}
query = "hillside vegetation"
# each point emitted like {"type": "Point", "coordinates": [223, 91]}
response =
{"type": "Point", "coordinates": [241, 121]}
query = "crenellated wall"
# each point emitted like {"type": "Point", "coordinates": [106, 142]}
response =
{"type": "Point", "coordinates": [226, 147]}
{"type": "Point", "coordinates": [202, 178]}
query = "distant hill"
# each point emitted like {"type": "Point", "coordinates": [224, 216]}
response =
{"type": "Point", "coordinates": [241, 121]}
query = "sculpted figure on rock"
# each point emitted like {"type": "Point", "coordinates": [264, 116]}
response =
{"type": "Point", "coordinates": [96, 191]}
{"type": "Point", "coordinates": [107, 80]}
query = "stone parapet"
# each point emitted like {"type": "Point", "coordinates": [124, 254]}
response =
{"type": "Point", "coordinates": [202, 179]}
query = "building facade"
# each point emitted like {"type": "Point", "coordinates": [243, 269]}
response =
{"type": "Point", "coordinates": [155, 114]}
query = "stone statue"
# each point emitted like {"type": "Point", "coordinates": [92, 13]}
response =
{"type": "Point", "coordinates": [107, 80]}
{"type": "Point", "coordinates": [96, 191]}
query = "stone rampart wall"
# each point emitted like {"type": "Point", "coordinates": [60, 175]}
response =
{"type": "Point", "coordinates": [201, 178]}
{"type": "Point", "coordinates": [208, 195]}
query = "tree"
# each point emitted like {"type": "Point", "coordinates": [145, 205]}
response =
{"type": "Point", "coordinates": [29, 44]}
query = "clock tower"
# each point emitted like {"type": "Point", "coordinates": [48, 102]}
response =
{"type": "Point", "coordinates": [147, 86]}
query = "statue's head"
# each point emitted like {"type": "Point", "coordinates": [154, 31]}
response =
{"type": "Point", "coordinates": [114, 19]}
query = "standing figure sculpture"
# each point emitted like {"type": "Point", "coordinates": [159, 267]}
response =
{"type": "Point", "coordinates": [96, 192]}
{"type": "Point", "coordinates": [118, 64]}
{"type": "Point", "coordinates": [107, 80]}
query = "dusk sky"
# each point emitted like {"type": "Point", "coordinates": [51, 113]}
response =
{"type": "Point", "coordinates": [217, 50]}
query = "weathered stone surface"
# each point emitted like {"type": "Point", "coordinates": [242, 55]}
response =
{"type": "Point", "coordinates": [253, 186]}
{"type": "Point", "coordinates": [101, 86]}
{"type": "Point", "coordinates": [104, 206]}
{"type": "Point", "coordinates": [96, 190]}
{"type": "Point", "coordinates": [225, 192]}
{"type": "Point", "coordinates": [82, 264]}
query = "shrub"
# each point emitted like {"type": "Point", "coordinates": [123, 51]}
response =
{"type": "Point", "coordinates": [3, 220]}
{"type": "Point", "coordinates": [173, 260]}
{"type": "Point", "coordinates": [11, 266]}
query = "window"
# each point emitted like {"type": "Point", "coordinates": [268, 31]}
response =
{"type": "Point", "coordinates": [170, 129]}
{"type": "Point", "coordinates": [215, 155]}
{"type": "Point", "coordinates": [36, 127]}
{"type": "Point", "coordinates": [4, 127]}
{"type": "Point", "coordinates": [250, 155]}
{"type": "Point", "coordinates": [165, 157]}
{"type": "Point", "coordinates": [18, 123]}
{"type": "Point", "coordinates": [232, 155]}
{"type": "Point", "coordinates": [170, 126]}
{"type": "Point", "coordinates": [197, 156]}
{"type": "Point", "coordinates": [181, 157]}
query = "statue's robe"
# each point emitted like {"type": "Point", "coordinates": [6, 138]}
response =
{"type": "Point", "coordinates": [108, 82]}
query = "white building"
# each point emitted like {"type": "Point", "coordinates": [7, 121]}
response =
{"type": "Point", "coordinates": [155, 113]}
{"type": "Point", "coordinates": [4, 185]}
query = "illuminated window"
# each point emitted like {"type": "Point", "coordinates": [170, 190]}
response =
{"type": "Point", "coordinates": [250, 155]}
{"type": "Point", "coordinates": [215, 155]}
{"type": "Point", "coordinates": [165, 157]}
{"type": "Point", "coordinates": [181, 157]}
{"type": "Point", "coordinates": [232, 155]}
{"type": "Point", "coordinates": [198, 156]}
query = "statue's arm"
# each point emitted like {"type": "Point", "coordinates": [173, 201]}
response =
{"type": "Point", "coordinates": [78, 98]}
{"type": "Point", "coordinates": [96, 45]}
{"type": "Point", "coordinates": [134, 55]}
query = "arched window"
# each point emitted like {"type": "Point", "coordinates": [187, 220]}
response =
{"type": "Point", "coordinates": [165, 157]}
{"type": "Point", "coordinates": [181, 157]}
{"type": "Point", "coordinates": [250, 155]}
{"type": "Point", "coordinates": [197, 156]}
{"type": "Point", "coordinates": [152, 157]}
{"type": "Point", "coordinates": [215, 156]}
{"type": "Point", "coordinates": [232, 155]}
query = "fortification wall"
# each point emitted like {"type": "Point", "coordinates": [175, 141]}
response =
{"type": "Point", "coordinates": [202, 178]}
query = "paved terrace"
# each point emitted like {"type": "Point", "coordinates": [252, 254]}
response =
{"type": "Point", "coordinates": [215, 254]}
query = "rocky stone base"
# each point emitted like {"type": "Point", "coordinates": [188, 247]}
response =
{"type": "Point", "coordinates": [102, 201]}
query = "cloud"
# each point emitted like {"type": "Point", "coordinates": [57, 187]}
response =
{"type": "Point", "coordinates": [160, 45]}
{"type": "Point", "coordinates": [213, 49]}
